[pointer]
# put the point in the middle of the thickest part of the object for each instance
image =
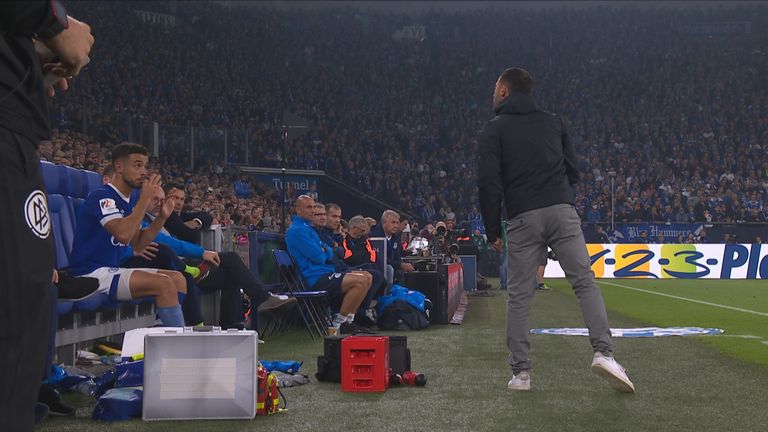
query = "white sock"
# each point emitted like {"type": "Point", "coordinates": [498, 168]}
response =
{"type": "Point", "coordinates": [339, 319]}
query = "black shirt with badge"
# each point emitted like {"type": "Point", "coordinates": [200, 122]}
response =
{"type": "Point", "coordinates": [23, 105]}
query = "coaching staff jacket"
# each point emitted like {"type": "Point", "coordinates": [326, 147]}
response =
{"type": "Point", "coordinates": [523, 153]}
{"type": "Point", "coordinates": [312, 256]}
{"type": "Point", "coordinates": [22, 99]}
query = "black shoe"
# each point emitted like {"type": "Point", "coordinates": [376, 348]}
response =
{"type": "Point", "coordinates": [205, 270]}
{"type": "Point", "coordinates": [51, 398]}
{"type": "Point", "coordinates": [41, 412]}
{"type": "Point", "coordinates": [276, 302]}
{"type": "Point", "coordinates": [353, 329]}
{"type": "Point", "coordinates": [363, 321]}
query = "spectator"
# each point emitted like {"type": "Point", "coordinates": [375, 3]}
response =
{"type": "Point", "coordinates": [475, 219]}
{"type": "Point", "coordinates": [242, 189]}
{"type": "Point", "coordinates": [695, 153]}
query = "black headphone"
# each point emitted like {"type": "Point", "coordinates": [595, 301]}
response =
{"type": "Point", "coordinates": [18, 86]}
{"type": "Point", "coordinates": [20, 83]}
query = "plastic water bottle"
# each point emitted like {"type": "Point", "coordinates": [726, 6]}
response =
{"type": "Point", "coordinates": [111, 359]}
{"type": "Point", "coordinates": [87, 387]}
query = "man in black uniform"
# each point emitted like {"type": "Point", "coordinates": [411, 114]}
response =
{"type": "Point", "coordinates": [525, 157]}
{"type": "Point", "coordinates": [25, 225]}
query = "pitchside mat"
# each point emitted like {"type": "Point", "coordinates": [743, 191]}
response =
{"type": "Point", "coordinates": [633, 332]}
{"type": "Point", "coordinates": [693, 383]}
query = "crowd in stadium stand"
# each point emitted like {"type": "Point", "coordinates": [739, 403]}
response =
{"type": "Point", "coordinates": [679, 116]}
{"type": "Point", "coordinates": [210, 188]}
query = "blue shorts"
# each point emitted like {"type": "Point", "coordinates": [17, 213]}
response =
{"type": "Point", "coordinates": [331, 283]}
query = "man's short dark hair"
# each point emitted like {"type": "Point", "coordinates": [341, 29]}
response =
{"type": "Point", "coordinates": [518, 80]}
{"type": "Point", "coordinates": [109, 171]}
{"type": "Point", "coordinates": [332, 206]}
{"type": "Point", "coordinates": [168, 186]}
{"type": "Point", "coordinates": [126, 149]}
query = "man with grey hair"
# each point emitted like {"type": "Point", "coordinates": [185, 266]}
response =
{"type": "Point", "coordinates": [357, 247]}
{"type": "Point", "coordinates": [389, 228]}
{"type": "Point", "coordinates": [360, 254]}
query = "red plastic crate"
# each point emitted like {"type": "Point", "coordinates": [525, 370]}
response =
{"type": "Point", "coordinates": [365, 364]}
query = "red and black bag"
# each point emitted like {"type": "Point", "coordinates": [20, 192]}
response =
{"type": "Point", "coordinates": [268, 394]}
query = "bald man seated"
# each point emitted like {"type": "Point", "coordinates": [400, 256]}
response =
{"type": "Point", "coordinates": [314, 258]}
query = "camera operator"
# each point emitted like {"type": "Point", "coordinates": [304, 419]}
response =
{"type": "Point", "coordinates": [428, 232]}
{"type": "Point", "coordinates": [440, 239]}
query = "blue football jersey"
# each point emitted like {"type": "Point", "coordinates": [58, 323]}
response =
{"type": "Point", "coordinates": [94, 247]}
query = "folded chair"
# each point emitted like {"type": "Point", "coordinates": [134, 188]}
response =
{"type": "Point", "coordinates": [313, 305]}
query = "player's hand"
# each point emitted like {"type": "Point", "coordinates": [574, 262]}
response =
{"type": "Point", "coordinates": [167, 209]}
{"type": "Point", "coordinates": [498, 245]}
{"type": "Point", "coordinates": [212, 257]}
{"type": "Point", "coordinates": [149, 253]}
{"type": "Point", "coordinates": [71, 49]}
{"type": "Point", "coordinates": [406, 267]}
{"type": "Point", "coordinates": [55, 278]}
{"type": "Point", "coordinates": [151, 188]}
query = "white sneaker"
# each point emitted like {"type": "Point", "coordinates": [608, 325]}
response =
{"type": "Point", "coordinates": [521, 381]}
{"type": "Point", "coordinates": [370, 313]}
{"type": "Point", "coordinates": [610, 370]}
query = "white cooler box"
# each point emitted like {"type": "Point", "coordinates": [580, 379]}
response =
{"type": "Point", "coordinates": [195, 375]}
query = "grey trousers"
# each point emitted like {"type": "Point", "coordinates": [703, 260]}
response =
{"type": "Point", "coordinates": [528, 235]}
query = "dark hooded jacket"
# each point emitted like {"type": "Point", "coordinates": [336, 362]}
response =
{"type": "Point", "coordinates": [23, 106]}
{"type": "Point", "coordinates": [524, 155]}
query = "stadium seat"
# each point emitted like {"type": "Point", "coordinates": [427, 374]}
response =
{"type": "Point", "coordinates": [91, 181]}
{"type": "Point", "coordinates": [70, 181]}
{"type": "Point", "coordinates": [63, 228]}
{"type": "Point", "coordinates": [50, 177]}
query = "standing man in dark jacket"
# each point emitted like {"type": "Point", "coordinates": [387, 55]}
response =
{"type": "Point", "coordinates": [526, 159]}
{"type": "Point", "coordinates": [25, 224]}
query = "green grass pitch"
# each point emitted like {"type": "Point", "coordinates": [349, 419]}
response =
{"type": "Point", "coordinates": [711, 383]}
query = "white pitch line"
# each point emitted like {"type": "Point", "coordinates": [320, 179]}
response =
{"type": "Point", "coordinates": [686, 299]}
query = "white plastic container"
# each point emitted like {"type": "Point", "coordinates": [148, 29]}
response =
{"type": "Point", "coordinates": [197, 375]}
